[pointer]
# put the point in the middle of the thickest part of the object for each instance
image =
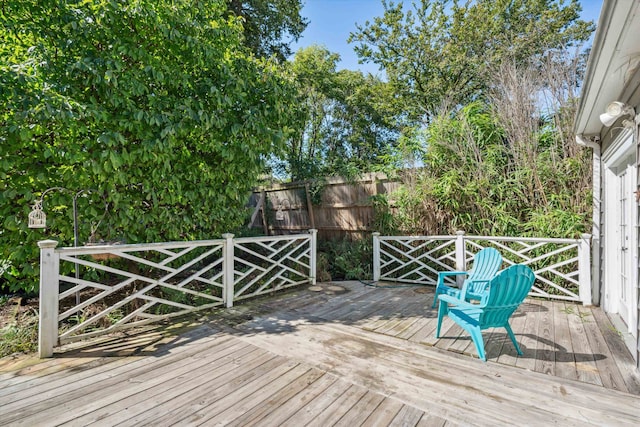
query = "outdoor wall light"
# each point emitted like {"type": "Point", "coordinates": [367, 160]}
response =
{"type": "Point", "coordinates": [614, 111]}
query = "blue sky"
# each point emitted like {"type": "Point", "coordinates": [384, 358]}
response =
{"type": "Point", "coordinates": [331, 22]}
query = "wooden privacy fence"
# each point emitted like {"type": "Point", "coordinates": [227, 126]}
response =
{"type": "Point", "coordinates": [335, 207]}
{"type": "Point", "coordinates": [562, 266]}
{"type": "Point", "coordinates": [123, 286]}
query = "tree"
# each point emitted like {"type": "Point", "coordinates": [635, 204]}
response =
{"type": "Point", "coordinates": [267, 23]}
{"type": "Point", "coordinates": [535, 103]}
{"type": "Point", "coordinates": [346, 122]}
{"type": "Point", "coordinates": [508, 165]}
{"type": "Point", "coordinates": [439, 55]}
{"type": "Point", "coordinates": [155, 105]}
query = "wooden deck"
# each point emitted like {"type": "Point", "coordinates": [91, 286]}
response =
{"type": "Point", "coordinates": [343, 354]}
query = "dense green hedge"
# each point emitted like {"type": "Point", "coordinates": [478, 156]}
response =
{"type": "Point", "coordinates": [154, 105]}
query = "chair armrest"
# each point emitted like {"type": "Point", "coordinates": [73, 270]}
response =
{"type": "Point", "coordinates": [443, 274]}
{"type": "Point", "coordinates": [471, 284]}
{"type": "Point", "coordinates": [451, 273]}
{"type": "Point", "coordinates": [456, 302]}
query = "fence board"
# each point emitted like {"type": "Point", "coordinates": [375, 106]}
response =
{"type": "Point", "coordinates": [338, 209]}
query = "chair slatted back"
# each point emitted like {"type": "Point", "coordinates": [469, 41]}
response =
{"type": "Point", "coordinates": [486, 264]}
{"type": "Point", "coordinates": [506, 292]}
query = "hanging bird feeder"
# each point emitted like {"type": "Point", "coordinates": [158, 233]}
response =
{"type": "Point", "coordinates": [37, 217]}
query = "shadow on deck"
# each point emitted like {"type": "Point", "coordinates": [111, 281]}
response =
{"type": "Point", "coordinates": [335, 354]}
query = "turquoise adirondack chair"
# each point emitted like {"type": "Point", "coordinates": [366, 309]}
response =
{"type": "Point", "coordinates": [506, 292]}
{"type": "Point", "coordinates": [486, 264]}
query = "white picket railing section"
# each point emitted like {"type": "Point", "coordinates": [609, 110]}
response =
{"type": "Point", "coordinates": [123, 286]}
{"type": "Point", "coordinates": [562, 266]}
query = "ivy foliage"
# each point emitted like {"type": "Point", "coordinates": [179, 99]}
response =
{"type": "Point", "coordinates": [156, 106]}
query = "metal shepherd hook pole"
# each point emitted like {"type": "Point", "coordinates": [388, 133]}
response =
{"type": "Point", "coordinates": [38, 219]}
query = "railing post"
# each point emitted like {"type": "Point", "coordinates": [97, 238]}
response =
{"type": "Point", "coordinates": [49, 289]}
{"type": "Point", "coordinates": [313, 248]}
{"type": "Point", "coordinates": [461, 256]}
{"type": "Point", "coordinates": [584, 269]}
{"type": "Point", "coordinates": [228, 270]}
{"type": "Point", "coordinates": [376, 256]}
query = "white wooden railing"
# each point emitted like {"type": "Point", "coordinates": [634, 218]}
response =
{"type": "Point", "coordinates": [562, 266]}
{"type": "Point", "coordinates": [122, 286]}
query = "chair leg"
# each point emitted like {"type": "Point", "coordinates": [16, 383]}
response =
{"type": "Point", "coordinates": [476, 336]}
{"type": "Point", "coordinates": [513, 338]}
{"type": "Point", "coordinates": [443, 309]}
{"type": "Point", "coordinates": [435, 297]}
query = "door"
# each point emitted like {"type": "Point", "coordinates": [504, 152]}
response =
{"type": "Point", "coordinates": [620, 251]}
{"type": "Point", "coordinates": [625, 246]}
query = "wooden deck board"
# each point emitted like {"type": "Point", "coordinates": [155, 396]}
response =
{"type": "Point", "coordinates": [507, 353]}
{"type": "Point", "coordinates": [427, 334]}
{"type": "Point", "coordinates": [586, 368]}
{"type": "Point", "coordinates": [529, 339]}
{"type": "Point", "coordinates": [362, 308]}
{"type": "Point", "coordinates": [308, 412]}
{"type": "Point", "coordinates": [40, 387]}
{"type": "Point", "coordinates": [336, 410]}
{"type": "Point", "coordinates": [339, 351]}
{"type": "Point", "coordinates": [630, 375]}
{"type": "Point", "coordinates": [277, 414]}
{"type": "Point", "coordinates": [408, 416]}
{"type": "Point", "coordinates": [255, 415]}
{"type": "Point", "coordinates": [565, 356]}
{"type": "Point", "coordinates": [49, 401]}
{"type": "Point", "coordinates": [149, 409]}
{"type": "Point", "coordinates": [607, 368]}
{"type": "Point", "coordinates": [289, 361]}
{"type": "Point", "coordinates": [414, 328]}
{"type": "Point", "coordinates": [545, 350]}
{"type": "Point", "coordinates": [165, 392]}
{"type": "Point", "coordinates": [397, 329]}
{"type": "Point", "coordinates": [390, 311]}
{"type": "Point", "coordinates": [359, 412]}
{"type": "Point", "coordinates": [346, 303]}
{"type": "Point", "coordinates": [209, 399]}
{"type": "Point", "coordinates": [432, 421]}
{"type": "Point", "coordinates": [103, 393]}
{"type": "Point", "coordinates": [254, 392]}
{"type": "Point", "coordinates": [384, 414]}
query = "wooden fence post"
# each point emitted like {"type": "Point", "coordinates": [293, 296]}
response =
{"type": "Point", "coordinates": [228, 270]}
{"type": "Point", "coordinates": [313, 248]}
{"type": "Point", "coordinates": [376, 256]}
{"type": "Point", "coordinates": [49, 289]}
{"type": "Point", "coordinates": [312, 219]}
{"type": "Point", "coordinates": [584, 269]}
